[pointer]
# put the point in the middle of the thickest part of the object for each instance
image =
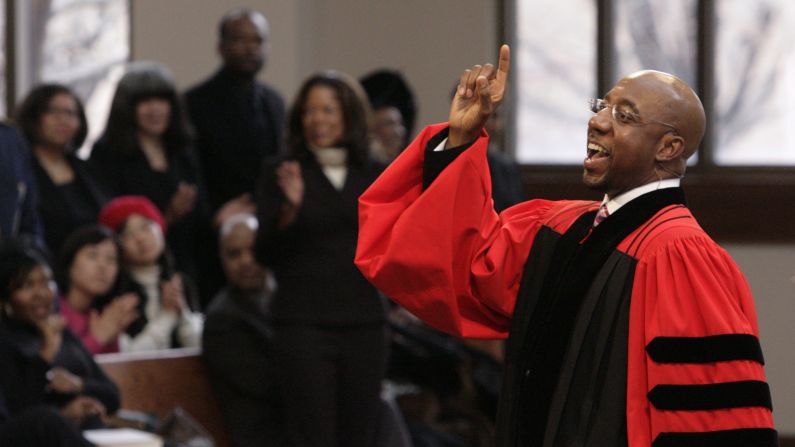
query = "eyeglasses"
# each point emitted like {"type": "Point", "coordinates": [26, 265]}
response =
{"type": "Point", "coordinates": [62, 112]}
{"type": "Point", "coordinates": [623, 116]}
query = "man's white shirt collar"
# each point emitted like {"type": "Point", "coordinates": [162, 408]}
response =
{"type": "Point", "coordinates": [622, 199]}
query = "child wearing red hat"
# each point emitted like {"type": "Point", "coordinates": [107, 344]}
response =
{"type": "Point", "coordinates": [168, 318]}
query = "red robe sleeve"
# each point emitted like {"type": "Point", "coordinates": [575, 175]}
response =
{"type": "Point", "coordinates": [443, 253]}
{"type": "Point", "coordinates": [689, 287]}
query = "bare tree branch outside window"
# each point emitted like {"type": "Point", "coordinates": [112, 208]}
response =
{"type": "Point", "coordinates": [555, 65]}
{"type": "Point", "coordinates": [656, 35]}
{"type": "Point", "coordinates": [755, 83]}
{"type": "Point", "coordinates": [83, 44]}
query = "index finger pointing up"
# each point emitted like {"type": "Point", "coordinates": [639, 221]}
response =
{"type": "Point", "coordinates": [505, 62]}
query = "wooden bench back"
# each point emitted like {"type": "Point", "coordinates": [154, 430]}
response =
{"type": "Point", "coordinates": [157, 381]}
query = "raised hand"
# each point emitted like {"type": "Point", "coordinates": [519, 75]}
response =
{"type": "Point", "coordinates": [172, 294]}
{"type": "Point", "coordinates": [114, 319]}
{"type": "Point", "coordinates": [288, 176]}
{"type": "Point", "coordinates": [291, 182]}
{"type": "Point", "coordinates": [480, 91]}
{"type": "Point", "coordinates": [127, 308]}
{"type": "Point", "coordinates": [51, 331]}
{"type": "Point", "coordinates": [240, 204]}
{"type": "Point", "coordinates": [182, 202]}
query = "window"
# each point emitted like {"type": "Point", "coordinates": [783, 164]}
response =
{"type": "Point", "coordinates": [754, 83]}
{"type": "Point", "coordinates": [740, 58]}
{"type": "Point", "coordinates": [752, 62]}
{"type": "Point", "coordinates": [80, 43]}
{"type": "Point", "coordinates": [553, 55]}
{"type": "Point", "coordinates": [657, 35]}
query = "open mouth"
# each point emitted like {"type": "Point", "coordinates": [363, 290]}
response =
{"type": "Point", "coordinates": [596, 151]}
{"type": "Point", "coordinates": [41, 310]}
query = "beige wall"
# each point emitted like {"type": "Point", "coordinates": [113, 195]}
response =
{"type": "Point", "coordinates": [183, 35]}
{"type": "Point", "coordinates": [431, 42]}
{"type": "Point", "coordinates": [769, 270]}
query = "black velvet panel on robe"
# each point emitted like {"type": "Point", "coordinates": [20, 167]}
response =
{"type": "Point", "coordinates": [565, 380]}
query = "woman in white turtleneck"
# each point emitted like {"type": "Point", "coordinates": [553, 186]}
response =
{"type": "Point", "coordinates": [329, 339]}
{"type": "Point", "coordinates": [167, 319]}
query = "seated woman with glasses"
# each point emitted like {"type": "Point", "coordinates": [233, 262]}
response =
{"type": "Point", "coordinates": [52, 119]}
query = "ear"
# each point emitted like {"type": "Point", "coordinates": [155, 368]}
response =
{"type": "Point", "coordinates": [672, 147]}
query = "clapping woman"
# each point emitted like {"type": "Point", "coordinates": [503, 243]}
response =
{"type": "Point", "coordinates": [89, 274]}
{"type": "Point", "coordinates": [44, 363]}
{"type": "Point", "coordinates": [328, 320]}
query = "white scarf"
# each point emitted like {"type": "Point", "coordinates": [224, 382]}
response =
{"type": "Point", "coordinates": [333, 161]}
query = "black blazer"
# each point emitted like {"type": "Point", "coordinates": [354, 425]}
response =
{"type": "Point", "coordinates": [129, 173]}
{"type": "Point", "coordinates": [312, 260]}
{"type": "Point", "coordinates": [237, 126]}
{"type": "Point", "coordinates": [236, 347]}
{"type": "Point", "coordinates": [58, 212]}
{"type": "Point", "coordinates": [23, 373]}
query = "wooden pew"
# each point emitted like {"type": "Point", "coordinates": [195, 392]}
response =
{"type": "Point", "coordinates": [157, 381]}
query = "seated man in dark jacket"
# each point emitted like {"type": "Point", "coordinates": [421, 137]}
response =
{"type": "Point", "coordinates": [237, 336]}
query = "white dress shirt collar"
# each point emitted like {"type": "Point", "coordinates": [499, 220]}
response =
{"type": "Point", "coordinates": [622, 199]}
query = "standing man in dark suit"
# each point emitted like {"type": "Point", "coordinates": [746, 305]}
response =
{"type": "Point", "coordinates": [238, 120]}
{"type": "Point", "coordinates": [237, 339]}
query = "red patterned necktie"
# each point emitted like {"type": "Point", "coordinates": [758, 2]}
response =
{"type": "Point", "coordinates": [601, 215]}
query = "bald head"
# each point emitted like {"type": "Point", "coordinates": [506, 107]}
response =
{"type": "Point", "coordinates": [655, 123]}
{"type": "Point", "coordinates": [677, 104]}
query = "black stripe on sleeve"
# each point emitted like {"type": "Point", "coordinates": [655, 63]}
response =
{"type": "Point", "coordinates": [715, 348]}
{"type": "Point", "coordinates": [745, 437]}
{"type": "Point", "coordinates": [747, 393]}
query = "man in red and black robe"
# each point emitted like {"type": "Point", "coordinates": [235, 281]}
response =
{"type": "Point", "coordinates": [632, 328]}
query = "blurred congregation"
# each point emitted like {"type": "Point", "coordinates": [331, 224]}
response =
{"type": "Point", "coordinates": [221, 217]}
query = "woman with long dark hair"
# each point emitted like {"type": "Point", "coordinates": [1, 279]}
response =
{"type": "Point", "coordinates": [89, 274]}
{"type": "Point", "coordinates": [145, 150]}
{"type": "Point", "coordinates": [329, 337]}
{"type": "Point", "coordinates": [53, 120]}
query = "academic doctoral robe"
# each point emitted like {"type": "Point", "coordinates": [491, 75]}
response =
{"type": "Point", "coordinates": [638, 332]}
